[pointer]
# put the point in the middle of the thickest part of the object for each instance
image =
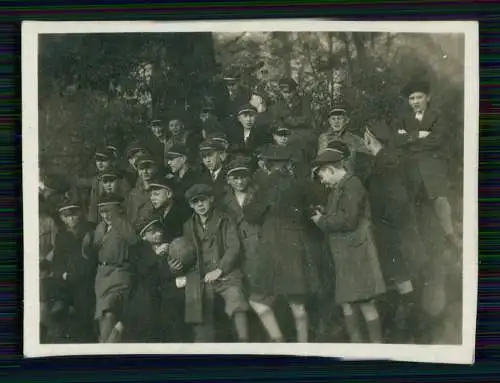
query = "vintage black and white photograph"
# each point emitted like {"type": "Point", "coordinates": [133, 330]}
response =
{"type": "Point", "coordinates": [299, 184]}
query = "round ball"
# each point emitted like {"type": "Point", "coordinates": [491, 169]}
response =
{"type": "Point", "coordinates": [183, 250]}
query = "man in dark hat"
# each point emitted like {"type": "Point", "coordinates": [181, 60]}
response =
{"type": "Point", "coordinates": [109, 181]}
{"type": "Point", "coordinates": [283, 266]}
{"type": "Point", "coordinates": [401, 252]}
{"type": "Point", "coordinates": [236, 94]}
{"type": "Point", "coordinates": [74, 273]}
{"type": "Point", "coordinates": [184, 173]}
{"type": "Point", "coordinates": [212, 156]}
{"type": "Point", "coordinates": [422, 135]}
{"type": "Point", "coordinates": [246, 135]}
{"type": "Point", "coordinates": [138, 203]}
{"type": "Point", "coordinates": [217, 269]}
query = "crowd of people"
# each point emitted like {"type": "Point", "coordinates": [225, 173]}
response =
{"type": "Point", "coordinates": [195, 231]}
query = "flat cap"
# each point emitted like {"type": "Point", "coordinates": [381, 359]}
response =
{"type": "Point", "coordinates": [327, 157]}
{"type": "Point", "coordinates": [246, 108]}
{"type": "Point", "coordinates": [160, 183]}
{"type": "Point", "coordinates": [145, 224]}
{"type": "Point", "coordinates": [198, 190]}
{"type": "Point", "coordinates": [109, 199]}
{"type": "Point", "coordinates": [177, 151]}
{"type": "Point", "coordinates": [212, 145]}
{"type": "Point", "coordinates": [68, 204]}
{"type": "Point", "coordinates": [239, 165]}
{"type": "Point", "coordinates": [144, 159]}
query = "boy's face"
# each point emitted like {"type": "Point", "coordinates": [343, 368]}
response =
{"type": "Point", "coordinates": [232, 87]}
{"type": "Point", "coordinates": [201, 204]}
{"type": "Point", "coordinates": [281, 138]}
{"type": "Point", "coordinates": [212, 159]}
{"type": "Point", "coordinates": [204, 115]}
{"type": "Point", "coordinates": [160, 197]}
{"type": "Point", "coordinates": [247, 119]}
{"type": "Point", "coordinates": [176, 163]}
{"type": "Point", "coordinates": [154, 236]}
{"type": "Point", "coordinates": [110, 185]}
{"type": "Point", "coordinates": [419, 101]}
{"type": "Point", "coordinates": [329, 175]}
{"type": "Point", "coordinates": [109, 213]}
{"type": "Point", "coordinates": [157, 130]}
{"type": "Point", "coordinates": [175, 127]}
{"type": "Point", "coordinates": [239, 182]}
{"type": "Point", "coordinates": [286, 92]}
{"type": "Point", "coordinates": [146, 171]}
{"type": "Point", "coordinates": [337, 122]}
{"type": "Point", "coordinates": [102, 163]}
{"type": "Point", "coordinates": [71, 218]}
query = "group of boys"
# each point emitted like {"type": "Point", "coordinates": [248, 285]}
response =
{"type": "Point", "coordinates": [229, 210]}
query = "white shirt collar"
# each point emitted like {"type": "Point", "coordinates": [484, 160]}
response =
{"type": "Point", "coordinates": [215, 174]}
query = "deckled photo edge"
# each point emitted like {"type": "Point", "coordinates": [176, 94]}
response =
{"type": "Point", "coordinates": [447, 354]}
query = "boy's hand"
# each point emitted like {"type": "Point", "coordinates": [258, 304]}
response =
{"type": "Point", "coordinates": [402, 131]}
{"type": "Point", "coordinates": [180, 282]}
{"type": "Point", "coordinates": [163, 249]}
{"type": "Point", "coordinates": [423, 133]}
{"type": "Point", "coordinates": [174, 264]}
{"type": "Point", "coordinates": [65, 276]}
{"type": "Point", "coordinates": [212, 276]}
{"type": "Point", "coordinates": [317, 215]}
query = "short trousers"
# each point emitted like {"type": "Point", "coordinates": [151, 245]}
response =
{"type": "Point", "coordinates": [269, 299]}
{"type": "Point", "coordinates": [234, 299]}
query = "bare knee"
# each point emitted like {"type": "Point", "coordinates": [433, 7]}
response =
{"type": "Point", "coordinates": [260, 308]}
{"type": "Point", "coordinates": [298, 310]}
{"type": "Point", "coordinates": [369, 310]}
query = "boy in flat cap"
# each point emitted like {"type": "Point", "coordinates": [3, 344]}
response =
{"type": "Point", "coordinates": [109, 181]}
{"type": "Point", "coordinates": [184, 173]}
{"type": "Point", "coordinates": [133, 151]}
{"type": "Point", "coordinates": [346, 223]}
{"type": "Point", "coordinates": [400, 249]}
{"type": "Point", "coordinates": [338, 122]}
{"type": "Point", "coordinates": [74, 272]}
{"type": "Point", "coordinates": [213, 157]}
{"type": "Point", "coordinates": [113, 241]}
{"type": "Point", "coordinates": [246, 135]}
{"type": "Point", "coordinates": [216, 270]}
{"type": "Point", "coordinates": [423, 135]}
{"type": "Point", "coordinates": [283, 262]}
{"type": "Point", "coordinates": [138, 204]}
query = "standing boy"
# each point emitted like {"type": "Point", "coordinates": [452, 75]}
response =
{"type": "Point", "coordinates": [138, 204]}
{"type": "Point", "coordinates": [216, 270]}
{"type": "Point", "coordinates": [422, 135]}
{"type": "Point", "coordinates": [75, 272]}
{"type": "Point", "coordinates": [346, 222]}
{"type": "Point", "coordinates": [113, 241]}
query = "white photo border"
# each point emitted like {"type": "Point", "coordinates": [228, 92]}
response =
{"type": "Point", "coordinates": [456, 354]}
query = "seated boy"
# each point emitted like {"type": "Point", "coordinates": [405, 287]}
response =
{"type": "Point", "coordinates": [215, 271]}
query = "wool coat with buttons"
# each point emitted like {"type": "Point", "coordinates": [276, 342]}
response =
{"type": "Point", "coordinates": [284, 263]}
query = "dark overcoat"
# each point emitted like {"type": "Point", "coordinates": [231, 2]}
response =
{"type": "Point", "coordinates": [249, 233]}
{"type": "Point", "coordinates": [425, 158]}
{"type": "Point", "coordinates": [284, 263]}
{"type": "Point", "coordinates": [259, 135]}
{"type": "Point", "coordinates": [348, 230]}
{"type": "Point", "coordinates": [225, 250]}
{"type": "Point", "coordinates": [400, 249]}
